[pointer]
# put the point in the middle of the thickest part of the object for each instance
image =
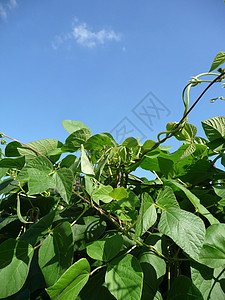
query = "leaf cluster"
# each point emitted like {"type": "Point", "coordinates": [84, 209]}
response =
{"type": "Point", "coordinates": [76, 223]}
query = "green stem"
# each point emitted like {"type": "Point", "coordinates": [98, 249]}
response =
{"type": "Point", "coordinates": [96, 269]}
{"type": "Point", "coordinates": [83, 212]}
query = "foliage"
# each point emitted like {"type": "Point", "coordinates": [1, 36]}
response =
{"type": "Point", "coordinates": [82, 226]}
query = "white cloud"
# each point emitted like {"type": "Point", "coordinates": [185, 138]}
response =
{"type": "Point", "coordinates": [3, 13]}
{"type": "Point", "coordinates": [12, 4]}
{"type": "Point", "coordinates": [90, 39]}
{"type": "Point", "coordinates": [6, 8]}
{"type": "Point", "coordinates": [85, 36]}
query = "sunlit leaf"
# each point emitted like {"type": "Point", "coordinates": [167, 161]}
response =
{"type": "Point", "coordinates": [127, 268]}
{"type": "Point", "coordinates": [71, 282]}
{"type": "Point", "coordinates": [218, 60]}
{"type": "Point", "coordinates": [212, 253]}
{"type": "Point", "coordinates": [15, 259]}
{"type": "Point", "coordinates": [184, 228]}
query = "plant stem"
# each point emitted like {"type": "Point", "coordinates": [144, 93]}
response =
{"type": "Point", "coordinates": [8, 137]}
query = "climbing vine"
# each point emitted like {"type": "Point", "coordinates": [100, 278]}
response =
{"type": "Point", "coordinates": [76, 223]}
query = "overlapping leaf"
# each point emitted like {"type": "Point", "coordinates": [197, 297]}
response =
{"type": "Point", "coordinates": [15, 259]}
{"type": "Point", "coordinates": [56, 253]}
{"type": "Point", "coordinates": [184, 228]}
{"type": "Point", "coordinates": [124, 278]}
{"type": "Point", "coordinates": [71, 282]}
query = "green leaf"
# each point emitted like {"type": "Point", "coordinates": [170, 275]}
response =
{"type": "Point", "coordinates": [214, 128]}
{"type": "Point", "coordinates": [190, 150]}
{"type": "Point", "coordinates": [95, 288]}
{"type": "Point", "coordinates": [89, 229]}
{"type": "Point", "coordinates": [9, 163]}
{"type": "Point", "coordinates": [8, 186]}
{"type": "Point", "coordinates": [153, 266]}
{"type": "Point", "coordinates": [202, 278]}
{"type": "Point", "coordinates": [124, 278]}
{"type": "Point", "coordinates": [130, 143]}
{"type": "Point", "coordinates": [119, 193]}
{"type": "Point", "coordinates": [148, 145]}
{"type": "Point", "coordinates": [34, 234]}
{"type": "Point", "coordinates": [131, 201]}
{"type": "Point", "coordinates": [3, 172]}
{"type": "Point", "coordinates": [147, 215]}
{"type": "Point", "coordinates": [187, 133]}
{"type": "Point", "coordinates": [76, 139]}
{"type": "Point", "coordinates": [212, 253]}
{"type": "Point", "coordinates": [15, 258]}
{"type": "Point", "coordinates": [106, 248]}
{"type": "Point", "coordinates": [183, 288]}
{"type": "Point", "coordinates": [166, 198]}
{"type": "Point", "coordinates": [36, 172]}
{"type": "Point", "coordinates": [11, 150]}
{"type": "Point", "coordinates": [210, 282]}
{"type": "Point", "coordinates": [195, 202]}
{"type": "Point", "coordinates": [86, 166]}
{"type": "Point", "coordinates": [72, 126]}
{"type": "Point", "coordinates": [68, 161]}
{"type": "Point", "coordinates": [102, 193]}
{"type": "Point", "coordinates": [63, 183]}
{"type": "Point", "coordinates": [56, 253]}
{"type": "Point", "coordinates": [220, 191]}
{"type": "Point", "coordinates": [71, 282]}
{"type": "Point", "coordinates": [184, 228]}
{"type": "Point", "coordinates": [8, 220]}
{"type": "Point", "coordinates": [166, 166]}
{"type": "Point", "coordinates": [45, 147]}
{"type": "Point", "coordinates": [218, 60]}
{"type": "Point", "coordinates": [99, 142]}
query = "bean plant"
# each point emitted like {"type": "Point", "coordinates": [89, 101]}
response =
{"type": "Point", "coordinates": [77, 223]}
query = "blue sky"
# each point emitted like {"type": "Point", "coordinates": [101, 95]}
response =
{"type": "Point", "coordinates": [101, 62]}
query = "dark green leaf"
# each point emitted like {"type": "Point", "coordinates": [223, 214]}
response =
{"type": "Point", "coordinates": [183, 288]}
{"type": "Point", "coordinates": [11, 150]}
{"type": "Point", "coordinates": [38, 230]}
{"type": "Point", "coordinates": [95, 288]}
{"type": "Point", "coordinates": [12, 163]}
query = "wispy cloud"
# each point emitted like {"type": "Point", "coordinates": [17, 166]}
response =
{"type": "Point", "coordinates": [85, 36]}
{"type": "Point", "coordinates": [6, 8]}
